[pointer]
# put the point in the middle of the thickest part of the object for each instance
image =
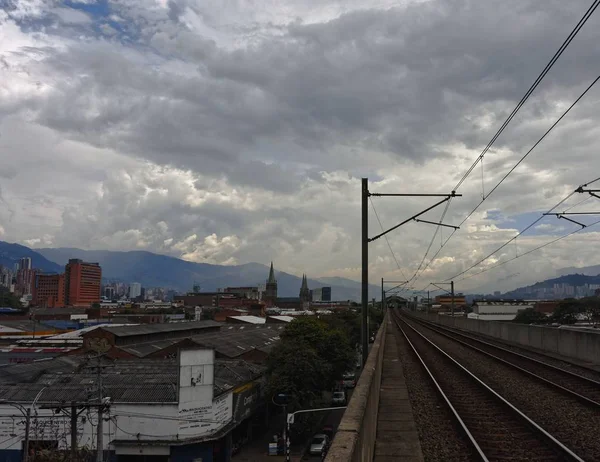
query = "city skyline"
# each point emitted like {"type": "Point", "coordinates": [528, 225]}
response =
{"type": "Point", "coordinates": [229, 134]}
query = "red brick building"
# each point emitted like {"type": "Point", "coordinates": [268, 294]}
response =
{"type": "Point", "coordinates": [49, 290]}
{"type": "Point", "coordinates": [82, 283]}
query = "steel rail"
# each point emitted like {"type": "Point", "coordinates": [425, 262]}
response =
{"type": "Point", "coordinates": [552, 441]}
{"type": "Point", "coordinates": [440, 330]}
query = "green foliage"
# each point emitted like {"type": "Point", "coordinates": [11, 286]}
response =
{"type": "Point", "coordinates": [530, 316]}
{"type": "Point", "coordinates": [566, 312]}
{"type": "Point", "coordinates": [346, 321]}
{"type": "Point", "coordinates": [310, 357]}
{"type": "Point", "coordinates": [570, 311]}
{"type": "Point", "coordinates": [7, 299]}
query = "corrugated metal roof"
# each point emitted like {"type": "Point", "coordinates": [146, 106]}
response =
{"type": "Point", "coordinates": [144, 329]}
{"type": "Point", "coordinates": [230, 342]}
{"type": "Point", "coordinates": [249, 319]}
{"type": "Point", "coordinates": [74, 379]}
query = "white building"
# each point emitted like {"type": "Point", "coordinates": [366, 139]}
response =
{"type": "Point", "coordinates": [135, 290]}
{"type": "Point", "coordinates": [498, 310]}
{"type": "Point", "coordinates": [174, 409]}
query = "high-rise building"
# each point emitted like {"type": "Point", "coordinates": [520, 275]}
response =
{"type": "Point", "coordinates": [25, 263]}
{"type": "Point", "coordinates": [49, 290]}
{"type": "Point", "coordinates": [25, 281]}
{"type": "Point", "coordinates": [82, 283]}
{"type": "Point", "coordinates": [109, 292]}
{"type": "Point", "coordinates": [271, 288]}
{"type": "Point", "coordinates": [326, 294]}
{"type": "Point", "coordinates": [135, 290]}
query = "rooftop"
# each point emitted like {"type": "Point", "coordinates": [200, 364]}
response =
{"type": "Point", "coordinates": [249, 319]}
{"type": "Point", "coordinates": [230, 341]}
{"type": "Point", "coordinates": [72, 378]}
{"type": "Point", "coordinates": [144, 329]}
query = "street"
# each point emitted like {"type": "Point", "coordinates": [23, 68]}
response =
{"type": "Point", "coordinates": [333, 419]}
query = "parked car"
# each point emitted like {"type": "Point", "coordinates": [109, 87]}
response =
{"type": "Point", "coordinates": [319, 444]}
{"type": "Point", "coordinates": [328, 430]}
{"type": "Point", "coordinates": [349, 380]}
{"type": "Point", "coordinates": [338, 398]}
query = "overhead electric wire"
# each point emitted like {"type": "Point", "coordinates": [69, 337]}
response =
{"type": "Point", "coordinates": [530, 251]}
{"type": "Point", "coordinates": [437, 229]}
{"type": "Point", "coordinates": [386, 239]}
{"type": "Point", "coordinates": [531, 89]}
{"type": "Point", "coordinates": [535, 84]}
{"type": "Point", "coordinates": [536, 221]}
{"type": "Point", "coordinates": [589, 87]}
{"type": "Point", "coordinates": [533, 147]}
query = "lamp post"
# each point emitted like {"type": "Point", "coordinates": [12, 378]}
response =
{"type": "Point", "coordinates": [282, 400]}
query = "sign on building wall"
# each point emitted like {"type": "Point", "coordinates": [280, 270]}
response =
{"type": "Point", "coordinates": [196, 378]}
{"type": "Point", "coordinates": [203, 420]}
{"type": "Point", "coordinates": [246, 399]}
{"type": "Point", "coordinates": [200, 414]}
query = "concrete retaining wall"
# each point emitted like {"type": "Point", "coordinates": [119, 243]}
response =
{"type": "Point", "coordinates": [582, 346]}
{"type": "Point", "coordinates": [355, 437]}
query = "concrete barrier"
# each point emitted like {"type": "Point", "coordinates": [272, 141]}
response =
{"type": "Point", "coordinates": [581, 346]}
{"type": "Point", "coordinates": [355, 437]}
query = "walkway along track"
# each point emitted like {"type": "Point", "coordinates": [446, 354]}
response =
{"type": "Point", "coordinates": [571, 384]}
{"type": "Point", "coordinates": [495, 428]}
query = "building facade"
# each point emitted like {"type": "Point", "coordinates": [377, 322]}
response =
{"type": "Point", "coordinates": [135, 290]}
{"type": "Point", "coordinates": [305, 296]}
{"type": "Point", "coordinates": [49, 290]}
{"type": "Point", "coordinates": [82, 283]}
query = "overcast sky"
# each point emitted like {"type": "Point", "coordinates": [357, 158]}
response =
{"type": "Point", "coordinates": [231, 131]}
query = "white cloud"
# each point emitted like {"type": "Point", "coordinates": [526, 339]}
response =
{"type": "Point", "coordinates": [238, 131]}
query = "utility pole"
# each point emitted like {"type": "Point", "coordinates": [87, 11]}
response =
{"type": "Point", "coordinates": [100, 427]}
{"type": "Point", "coordinates": [452, 297]}
{"type": "Point", "coordinates": [365, 269]}
{"type": "Point", "coordinates": [74, 416]}
{"type": "Point", "coordinates": [382, 297]}
{"type": "Point", "coordinates": [27, 426]}
{"type": "Point", "coordinates": [365, 195]}
{"type": "Point", "coordinates": [428, 302]}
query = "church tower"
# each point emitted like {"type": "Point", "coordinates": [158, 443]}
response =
{"type": "Point", "coordinates": [271, 288]}
{"type": "Point", "coordinates": [304, 291]}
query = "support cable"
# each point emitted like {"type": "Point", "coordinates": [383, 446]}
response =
{"type": "Point", "coordinates": [531, 251]}
{"type": "Point", "coordinates": [519, 162]}
{"type": "Point", "coordinates": [535, 84]}
{"type": "Point", "coordinates": [386, 239]}
{"type": "Point", "coordinates": [516, 236]}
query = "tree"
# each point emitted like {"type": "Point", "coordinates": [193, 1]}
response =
{"type": "Point", "coordinates": [590, 310]}
{"type": "Point", "coordinates": [8, 299]}
{"type": "Point", "coordinates": [566, 312]}
{"type": "Point", "coordinates": [530, 316]}
{"type": "Point", "coordinates": [346, 321]}
{"type": "Point", "coordinates": [309, 359]}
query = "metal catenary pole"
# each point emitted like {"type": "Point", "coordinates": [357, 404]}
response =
{"type": "Point", "coordinates": [365, 269]}
{"type": "Point", "coordinates": [365, 195]}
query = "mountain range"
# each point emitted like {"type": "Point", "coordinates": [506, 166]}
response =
{"type": "Point", "coordinates": [154, 270]}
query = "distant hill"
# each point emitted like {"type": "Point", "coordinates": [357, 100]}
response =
{"type": "Point", "coordinates": [531, 292]}
{"type": "Point", "coordinates": [153, 270]}
{"type": "Point", "coordinates": [586, 270]}
{"type": "Point", "coordinates": [12, 253]}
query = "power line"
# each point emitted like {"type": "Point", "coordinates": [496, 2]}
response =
{"type": "Point", "coordinates": [532, 148]}
{"type": "Point", "coordinates": [515, 237]}
{"type": "Point", "coordinates": [386, 238]}
{"type": "Point", "coordinates": [530, 251]}
{"type": "Point", "coordinates": [518, 163]}
{"type": "Point", "coordinates": [535, 84]}
{"type": "Point", "coordinates": [432, 240]}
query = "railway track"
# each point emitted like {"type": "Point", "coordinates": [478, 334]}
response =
{"type": "Point", "coordinates": [585, 389]}
{"type": "Point", "coordinates": [495, 428]}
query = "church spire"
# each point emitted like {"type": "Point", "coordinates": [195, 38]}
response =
{"type": "Point", "coordinates": [271, 275]}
